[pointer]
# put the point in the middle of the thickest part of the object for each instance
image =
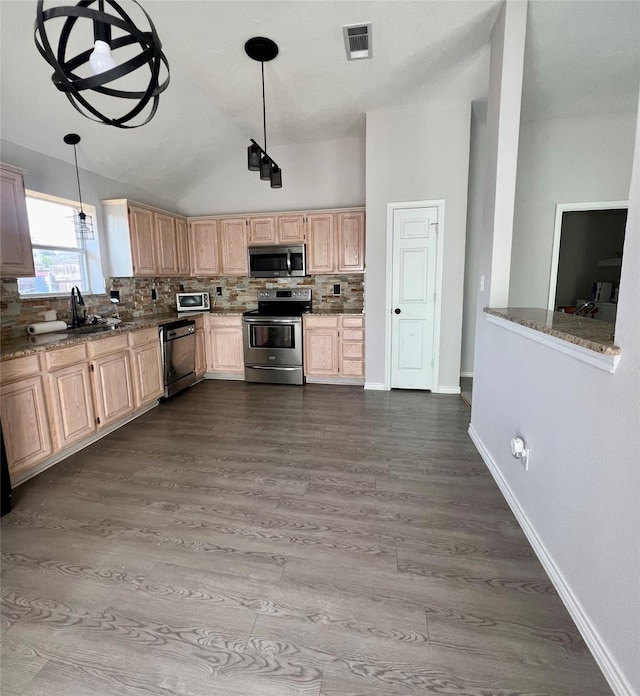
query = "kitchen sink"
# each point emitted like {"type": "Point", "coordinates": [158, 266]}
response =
{"type": "Point", "coordinates": [93, 328]}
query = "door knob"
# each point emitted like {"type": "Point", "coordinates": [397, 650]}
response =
{"type": "Point", "coordinates": [397, 310]}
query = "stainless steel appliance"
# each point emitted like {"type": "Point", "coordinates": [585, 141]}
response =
{"type": "Point", "coordinates": [178, 355]}
{"type": "Point", "coordinates": [272, 336]}
{"type": "Point", "coordinates": [192, 301]}
{"type": "Point", "coordinates": [277, 261]}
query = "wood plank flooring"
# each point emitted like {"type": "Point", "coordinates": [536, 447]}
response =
{"type": "Point", "coordinates": [263, 540]}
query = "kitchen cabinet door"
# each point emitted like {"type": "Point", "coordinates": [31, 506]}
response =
{"type": "Point", "coordinates": [350, 242]}
{"type": "Point", "coordinates": [71, 401]}
{"type": "Point", "coordinates": [291, 229]}
{"type": "Point", "coordinates": [182, 235]}
{"type": "Point", "coordinates": [233, 247]}
{"type": "Point", "coordinates": [225, 352]}
{"type": "Point", "coordinates": [166, 245]}
{"type": "Point", "coordinates": [17, 255]}
{"type": "Point", "coordinates": [204, 248]}
{"type": "Point", "coordinates": [201, 355]}
{"type": "Point", "coordinates": [25, 427]}
{"type": "Point", "coordinates": [262, 230]}
{"type": "Point", "coordinates": [320, 243]}
{"type": "Point", "coordinates": [112, 387]}
{"type": "Point", "coordinates": [321, 350]}
{"type": "Point", "coordinates": [143, 241]}
{"type": "Point", "coordinates": [148, 378]}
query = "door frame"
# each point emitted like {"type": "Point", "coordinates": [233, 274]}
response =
{"type": "Point", "coordinates": [557, 232]}
{"type": "Point", "coordinates": [391, 208]}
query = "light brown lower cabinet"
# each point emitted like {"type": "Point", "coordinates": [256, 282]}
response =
{"type": "Point", "coordinates": [25, 424]}
{"type": "Point", "coordinates": [146, 365]}
{"type": "Point", "coordinates": [201, 353]}
{"type": "Point", "coordinates": [112, 387]}
{"type": "Point", "coordinates": [69, 395]}
{"type": "Point", "coordinates": [225, 353]}
{"type": "Point", "coordinates": [334, 348]}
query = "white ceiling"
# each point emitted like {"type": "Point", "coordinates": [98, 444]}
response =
{"type": "Point", "coordinates": [422, 49]}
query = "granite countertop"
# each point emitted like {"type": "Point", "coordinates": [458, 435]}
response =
{"type": "Point", "coordinates": [588, 333]}
{"type": "Point", "coordinates": [26, 345]}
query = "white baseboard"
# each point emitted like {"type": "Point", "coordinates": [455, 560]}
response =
{"type": "Point", "coordinates": [592, 638]}
{"type": "Point", "coordinates": [445, 390]}
{"type": "Point", "coordinates": [375, 386]}
{"type": "Point", "coordinates": [466, 374]}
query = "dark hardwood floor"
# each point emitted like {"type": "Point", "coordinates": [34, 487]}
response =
{"type": "Point", "coordinates": [263, 540]}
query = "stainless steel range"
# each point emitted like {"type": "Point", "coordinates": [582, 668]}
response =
{"type": "Point", "coordinates": [272, 336]}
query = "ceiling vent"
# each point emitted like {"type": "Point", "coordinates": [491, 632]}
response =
{"type": "Point", "coordinates": [357, 41]}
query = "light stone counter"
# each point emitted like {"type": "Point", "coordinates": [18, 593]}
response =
{"type": "Point", "coordinates": [581, 331]}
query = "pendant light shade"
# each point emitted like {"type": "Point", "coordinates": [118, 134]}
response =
{"type": "Point", "coordinates": [147, 72]}
{"type": "Point", "coordinates": [253, 152]}
{"type": "Point", "coordinates": [263, 50]}
{"type": "Point", "coordinates": [82, 222]}
{"type": "Point", "coordinates": [276, 176]}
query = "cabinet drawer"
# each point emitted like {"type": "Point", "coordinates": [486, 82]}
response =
{"type": "Point", "coordinates": [64, 357]}
{"type": "Point", "coordinates": [323, 322]}
{"type": "Point", "coordinates": [139, 338]}
{"type": "Point", "coordinates": [352, 322]}
{"type": "Point", "coordinates": [199, 322]}
{"type": "Point", "coordinates": [353, 368]}
{"type": "Point", "coordinates": [353, 350]}
{"type": "Point", "coordinates": [352, 335]}
{"type": "Point", "coordinates": [11, 370]}
{"type": "Point", "coordinates": [104, 346]}
{"type": "Point", "coordinates": [224, 320]}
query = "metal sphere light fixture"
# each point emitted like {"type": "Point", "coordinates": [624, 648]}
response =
{"type": "Point", "coordinates": [136, 82]}
{"type": "Point", "coordinates": [262, 50]}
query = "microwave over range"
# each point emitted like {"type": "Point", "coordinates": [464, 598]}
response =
{"type": "Point", "coordinates": [277, 261]}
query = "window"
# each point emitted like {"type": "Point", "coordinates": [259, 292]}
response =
{"type": "Point", "coordinates": [61, 260]}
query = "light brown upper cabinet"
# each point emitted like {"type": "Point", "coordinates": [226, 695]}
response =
{"type": "Point", "coordinates": [166, 244]}
{"type": "Point", "coordinates": [276, 229]}
{"type": "Point", "coordinates": [262, 230]}
{"type": "Point", "coordinates": [350, 242]}
{"type": "Point", "coordinates": [335, 242]}
{"type": "Point", "coordinates": [204, 247]}
{"type": "Point", "coordinates": [143, 241]}
{"type": "Point", "coordinates": [291, 229]}
{"type": "Point", "coordinates": [184, 258]}
{"type": "Point", "coordinates": [233, 246]}
{"type": "Point", "coordinates": [320, 243]}
{"type": "Point", "coordinates": [17, 255]}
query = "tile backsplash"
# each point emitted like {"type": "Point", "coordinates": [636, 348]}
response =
{"type": "Point", "coordinates": [238, 294]}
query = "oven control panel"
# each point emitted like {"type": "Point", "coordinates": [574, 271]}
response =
{"type": "Point", "coordinates": [292, 294]}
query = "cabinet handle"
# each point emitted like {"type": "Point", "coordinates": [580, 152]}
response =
{"type": "Point", "coordinates": [92, 367]}
{"type": "Point", "coordinates": [98, 420]}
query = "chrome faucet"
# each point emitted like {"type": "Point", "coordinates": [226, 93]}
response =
{"type": "Point", "coordinates": [77, 301]}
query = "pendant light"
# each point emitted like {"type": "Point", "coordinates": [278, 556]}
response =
{"type": "Point", "coordinates": [140, 103]}
{"type": "Point", "coordinates": [81, 221]}
{"type": "Point", "coordinates": [262, 50]}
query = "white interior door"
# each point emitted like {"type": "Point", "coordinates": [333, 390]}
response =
{"type": "Point", "coordinates": [413, 297]}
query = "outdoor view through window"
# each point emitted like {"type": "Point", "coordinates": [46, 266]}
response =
{"type": "Point", "coordinates": [60, 258]}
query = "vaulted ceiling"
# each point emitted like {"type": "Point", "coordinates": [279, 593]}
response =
{"type": "Point", "coordinates": [422, 50]}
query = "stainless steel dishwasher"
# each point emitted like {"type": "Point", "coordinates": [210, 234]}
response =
{"type": "Point", "coordinates": [178, 355]}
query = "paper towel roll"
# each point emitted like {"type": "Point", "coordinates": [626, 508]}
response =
{"type": "Point", "coordinates": [44, 327]}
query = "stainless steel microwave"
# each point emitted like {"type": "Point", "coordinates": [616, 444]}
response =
{"type": "Point", "coordinates": [277, 261]}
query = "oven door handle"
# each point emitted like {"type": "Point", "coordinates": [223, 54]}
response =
{"type": "Point", "coordinates": [289, 261]}
{"type": "Point", "coordinates": [288, 320]}
{"type": "Point", "coordinates": [279, 369]}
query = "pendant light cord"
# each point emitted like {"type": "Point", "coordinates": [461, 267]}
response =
{"type": "Point", "coordinates": [264, 110]}
{"type": "Point", "coordinates": [75, 157]}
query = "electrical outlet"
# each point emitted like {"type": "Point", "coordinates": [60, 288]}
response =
{"type": "Point", "coordinates": [154, 294]}
{"type": "Point", "coordinates": [336, 289]}
{"type": "Point", "coordinates": [219, 291]}
{"type": "Point", "coordinates": [115, 295]}
{"type": "Point", "coordinates": [181, 287]}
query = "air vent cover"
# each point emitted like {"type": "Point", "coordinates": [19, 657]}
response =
{"type": "Point", "coordinates": [357, 41]}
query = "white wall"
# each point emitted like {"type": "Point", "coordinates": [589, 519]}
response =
{"type": "Point", "coordinates": [418, 153]}
{"type": "Point", "coordinates": [579, 499]}
{"type": "Point", "coordinates": [477, 164]}
{"type": "Point", "coordinates": [319, 175]}
{"type": "Point", "coordinates": [570, 160]}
